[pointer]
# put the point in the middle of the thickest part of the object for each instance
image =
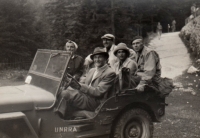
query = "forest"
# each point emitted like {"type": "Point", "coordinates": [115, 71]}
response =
{"type": "Point", "coordinates": [28, 25]}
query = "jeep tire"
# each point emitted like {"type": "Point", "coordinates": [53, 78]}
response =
{"type": "Point", "coordinates": [134, 123]}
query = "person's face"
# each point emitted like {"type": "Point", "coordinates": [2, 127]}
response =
{"type": "Point", "coordinates": [70, 47]}
{"type": "Point", "coordinates": [137, 45]}
{"type": "Point", "coordinates": [107, 42]}
{"type": "Point", "coordinates": [99, 60]}
{"type": "Point", "coordinates": [121, 54]}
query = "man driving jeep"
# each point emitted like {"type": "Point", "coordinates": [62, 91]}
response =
{"type": "Point", "coordinates": [95, 90]}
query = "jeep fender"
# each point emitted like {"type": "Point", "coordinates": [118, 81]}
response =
{"type": "Point", "coordinates": [16, 124]}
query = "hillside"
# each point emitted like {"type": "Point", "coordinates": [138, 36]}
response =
{"type": "Point", "coordinates": [190, 34]}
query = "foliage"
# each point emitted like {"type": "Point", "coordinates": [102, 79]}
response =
{"type": "Point", "coordinates": [86, 21]}
{"type": "Point", "coordinates": [21, 33]}
{"type": "Point", "coordinates": [191, 36]}
{"type": "Point", "coordinates": [26, 25]}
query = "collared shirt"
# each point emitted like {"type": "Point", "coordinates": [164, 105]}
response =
{"type": "Point", "coordinates": [97, 70]}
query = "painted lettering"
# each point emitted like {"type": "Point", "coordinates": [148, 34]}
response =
{"type": "Point", "coordinates": [74, 130]}
{"type": "Point", "coordinates": [56, 129]}
{"type": "Point", "coordinates": [65, 129]}
{"type": "Point", "coordinates": [61, 129]}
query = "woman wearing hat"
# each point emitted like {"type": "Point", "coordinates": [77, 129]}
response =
{"type": "Point", "coordinates": [124, 62]}
{"type": "Point", "coordinates": [75, 65]}
{"type": "Point", "coordinates": [122, 53]}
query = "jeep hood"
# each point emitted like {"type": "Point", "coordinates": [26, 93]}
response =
{"type": "Point", "coordinates": [24, 97]}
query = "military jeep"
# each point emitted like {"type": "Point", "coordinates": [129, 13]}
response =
{"type": "Point", "coordinates": [27, 111]}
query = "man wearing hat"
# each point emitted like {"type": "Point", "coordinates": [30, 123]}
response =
{"type": "Point", "coordinates": [109, 46]}
{"type": "Point", "coordinates": [149, 68]}
{"type": "Point", "coordinates": [97, 87]}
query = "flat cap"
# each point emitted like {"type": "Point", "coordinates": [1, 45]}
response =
{"type": "Point", "coordinates": [108, 36]}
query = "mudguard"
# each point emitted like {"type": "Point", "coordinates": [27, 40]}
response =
{"type": "Point", "coordinates": [16, 124]}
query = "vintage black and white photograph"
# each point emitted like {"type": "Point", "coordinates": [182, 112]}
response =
{"type": "Point", "coordinates": [99, 68]}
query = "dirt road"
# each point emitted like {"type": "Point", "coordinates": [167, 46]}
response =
{"type": "Point", "coordinates": [182, 119]}
{"type": "Point", "coordinates": [173, 54]}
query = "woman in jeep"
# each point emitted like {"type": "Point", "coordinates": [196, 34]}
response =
{"type": "Point", "coordinates": [122, 53]}
{"type": "Point", "coordinates": [124, 64]}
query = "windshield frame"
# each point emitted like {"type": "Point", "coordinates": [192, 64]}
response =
{"type": "Point", "coordinates": [52, 53]}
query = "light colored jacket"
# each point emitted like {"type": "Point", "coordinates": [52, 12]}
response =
{"type": "Point", "coordinates": [128, 63]}
{"type": "Point", "coordinates": [100, 86]}
{"type": "Point", "coordinates": [149, 68]}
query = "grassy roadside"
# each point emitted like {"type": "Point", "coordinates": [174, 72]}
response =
{"type": "Point", "coordinates": [182, 119]}
{"type": "Point", "coordinates": [12, 77]}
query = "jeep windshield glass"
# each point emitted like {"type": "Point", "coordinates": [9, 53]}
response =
{"type": "Point", "coordinates": [51, 64]}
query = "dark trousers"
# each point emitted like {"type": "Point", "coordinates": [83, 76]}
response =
{"type": "Point", "coordinates": [74, 98]}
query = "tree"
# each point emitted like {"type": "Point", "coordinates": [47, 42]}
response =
{"type": "Point", "coordinates": [21, 33]}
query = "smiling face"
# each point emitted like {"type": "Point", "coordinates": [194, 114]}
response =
{"type": "Point", "coordinates": [70, 47]}
{"type": "Point", "coordinates": [99, 60]}
{"type": "Point", "coordinates": [137, 45]}
{"type": "Point", "coordinates": [107, 42]}
{"type": "Point", "coordinates": [122, 55]}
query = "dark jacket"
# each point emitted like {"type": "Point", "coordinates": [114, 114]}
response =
{"type": "Point", "coordinates": [75, 66]}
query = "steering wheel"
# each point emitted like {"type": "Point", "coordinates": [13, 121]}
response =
{"type": "Point", "coordinates": [71, 81]}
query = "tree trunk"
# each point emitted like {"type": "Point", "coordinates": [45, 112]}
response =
{"type": "Point", "coordinates": [152, 23]}
{"type": "Point", "coordinates": [112, 17]}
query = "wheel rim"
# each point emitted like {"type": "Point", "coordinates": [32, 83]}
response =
{"type": "Point", "coordinates": [133, 129]}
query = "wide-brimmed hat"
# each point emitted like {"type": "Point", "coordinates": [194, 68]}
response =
{"type": "Point", "coordinates": [108, 36]}
{"type": "Point", "coordinates": [121, 46]}
{"type": "Point", "coordinates": [99, 50]}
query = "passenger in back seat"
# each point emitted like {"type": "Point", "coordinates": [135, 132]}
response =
{"type": "Point", "coordinates": [129, 79]}
{"type": "Point", "coordinates": [96, 89]}
{"type": "Point", "coordinates": [148, 62]}
{"type": "Point", "coordinates": [122, 53]}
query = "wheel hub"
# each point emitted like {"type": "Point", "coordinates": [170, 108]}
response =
{"type": "Point", "coordinates": [133, 132]}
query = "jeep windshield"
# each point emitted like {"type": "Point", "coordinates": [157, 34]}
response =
{"type": "Point", "coordinates": [47, 69]}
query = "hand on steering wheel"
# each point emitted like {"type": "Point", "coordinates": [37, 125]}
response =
{"type": "Point", "coordinates": [71, 81]}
